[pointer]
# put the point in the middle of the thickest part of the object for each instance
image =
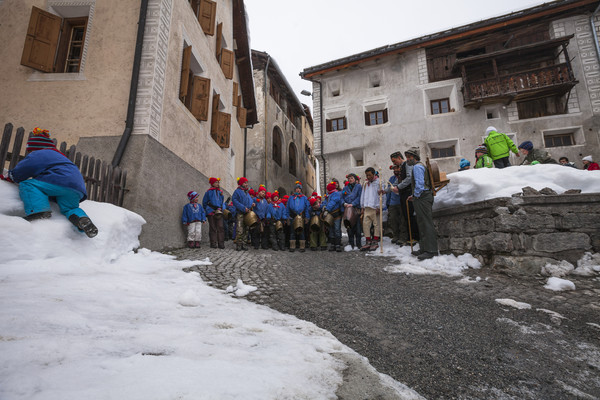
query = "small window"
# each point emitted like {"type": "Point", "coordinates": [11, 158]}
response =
{"type": "Point", "coordinates": [440, 106]}
{"type": "Point", "coordinates": [336, 124]}
{"type": "Point", "coordinates": [357, 158]}
{"type": "Point", "coordinates": [565, 139]}
{"type": "Point", "coordinates": [443, 152]}
{"type": "Point", "coordinates": [277, 145]}
{"type": "Point", "coordinates": [492, 113]}
{"type": "Point", "coordinates": [379, 117]}
{"type": "Point", "coordinates": [292, 159]}
{"type": "Point", "coordinates": [335, 93]}
{"type": "Point", "coordinates": [194, 90]}
{"type": "Point", "coordinates": [551, 105]}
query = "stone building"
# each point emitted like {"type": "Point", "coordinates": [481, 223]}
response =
{"type": "Point", "coordinates": [279, 147]}
{"type": "Point", "coordinates": [162, 88]}
{"type": "Point", "coordinates": [533, 74]}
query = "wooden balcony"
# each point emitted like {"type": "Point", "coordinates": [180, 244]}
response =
{"type": "Point", "coordinates": [535, 83]}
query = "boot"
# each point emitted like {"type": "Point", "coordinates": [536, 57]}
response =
{"type": "Point", "coordinates": [367, 245]}
{"type": "Point", "coordinates": [84, 224]}
{"type": "Point", "coordinates": [197, 245]}
{"type": "Point", "coordinates": [292, 246]}
{"type": "Point", "coordinates": [238, 246]}
{"type": "Point", "coordinates": [374, 245]}
{"type": "Point", "coordinates": [338, 245]}
{"type": "Point", "coordinates": [302, 246]}
{"type": "Point", "coordinates": [190, 244]}
{"type": "Point", "coordinates": [332, 246]}
{"type": "Point", "coordinates": [40, 215]}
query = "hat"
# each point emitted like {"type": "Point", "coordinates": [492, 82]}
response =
{"type": "Point", "coordinates": [587, 158]}
{"type": "Point", "coordinates": [527, 145]}
{"type": "Point", "coordinates": [251, 192]}
{"type": "Point", "coordinates": [396, 154]}
{"type": "Point", "coordinates": [268, 195]}
{"type": "Point", "coordinates": [313, 200]}
{"type": "Point", "coordinates": [464, 163]}
{"type": "Point", "coordinates": [275, 193]}
{"type": "Point", "coordinates": [413, 151]}
{"type": "Point", "coordinates": [314, 194]}
{"type": "Point", "coordinates": [481, 149]}
{"type": "Point", "coordinates": [286, 197]}
{"type": "Point", "coordinates": [261, 188]}
{"type": "Point", "coordinates": [211, 181]}
{"type": "Point", "coordinates": [191, 195]}
{"type": "Point", "coordinates": [490, 129]}
{"type": "Point", "coordinates": [242, 180]}
{"type": "Point", "coordinates": [40, 140]}
{"type": "Point", "coordinates": [298, 184]}
{"type": "Point", "coordinates": [331, 187]}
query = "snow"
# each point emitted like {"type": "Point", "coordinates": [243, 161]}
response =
{"type": "Point", "coordinates": [88, 318]}
{"type": "Point", "coordinates": [558, 284]}
{"type": "Point", "coordinates": [240, 289]}
{"type": "Point", "coordinates": [475, 185]}
{"type": "Point", "coordinates": [512, 303]}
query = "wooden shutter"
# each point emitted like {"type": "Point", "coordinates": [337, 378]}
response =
{"type": "Point", "coordinates": [241, 116]}
{"type": "Point", "coordinates": [208, 16]}
{"type": "Point", "coordinates": [200, 98]}
{"type": "Point", "coordinates": [185, 72]}
{"type": "Point", "coordinates": [328, 127]}
{"type": "Point", "coordinates": [41, 41]}
{"type": "Point", "coordinates": [235, 94]}
{"type": "Point", "coordinates": [239, 100]}
{"type": "Point", "coordinates": [223, 128]}
{"type": "Point", "coordinates": [227, 61]}
{"type": "Point", "coordinates": [385, 116]}
{"type": "Point", "coordinates": [219, 44]}
{"type": "Point", "coordinates": [214, 117]}
{"type": "Point", "coordinates": [345, 123]}
{"type": "Point", "coordinates": [367, 119]}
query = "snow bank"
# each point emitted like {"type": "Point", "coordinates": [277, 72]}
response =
{"type": "Point", "coordinates": [475, 185]}
{"type": "Point", "coordinates": [558, 284]}
{"type": "Point", "coordinates": [88, 318]}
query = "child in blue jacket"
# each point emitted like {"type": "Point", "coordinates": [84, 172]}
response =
{"type": "Point", "coordinates": [47, 173]}
{"type": "Point", "coordinates": [351, 198]}
{"type": "Point", "coordinates": [276, 211]}
{"type": "Point", "coordinates": [243, 203]}
{"type": "Point", "coordinates": [193, 216]}
{"type": "Point", "coordinates": [334, 206]}
{"type": "Point", "coordinates": [214, 205]}
{"type": "Point", "coordinates": [297, 204]}
{"type": "Point", "coordinates": [319, 237]}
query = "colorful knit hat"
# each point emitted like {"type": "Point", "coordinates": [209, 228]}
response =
{"type": "Point", "coordinates": [192, 195]}
{"type": "Point", "coordinates": [241, 181]}
{"type": "Point", "coordinates": [298, 184]}
{"type": "Point", "coordinates": [211, 181]}
{"type": "Point", "coordinates": [481, 149]}
{"type": "Point", "coordinates": [251, 192]}
{"type": "Point", "coordinates": [464, 163]}
{"type": "Point", "coordinates": [331, 187]}
{"type": "Point", "coordinates": [40, 139]}
{"type": "Point", "coordinates": [527, 145]}
{"type": "Point", "coordinates": [313, 200]}
{"type": "Point", "coordinates": [261, 188]}
{"type": "Point", "coordinates": [275, 193]}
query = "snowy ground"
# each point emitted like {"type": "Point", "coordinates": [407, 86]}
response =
{"type": "Point", "coordinates": [90, 319]}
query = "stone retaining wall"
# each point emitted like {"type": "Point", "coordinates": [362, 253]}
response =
{"type": "Point", "coordinates": [522, 233]}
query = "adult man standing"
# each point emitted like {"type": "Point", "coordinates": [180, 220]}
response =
{"type": "Point", "coordinates": [297, 204]}
{"type": "Point", "coordinates": [499, 147]}
{"type": "Point", "coordinates": [214, 204]}
{"type": "Point", "coordinates": [403, 188]}
{"type": "Point", "coordinates": [422, 199]}
{"type": "Point", "coordinates": [369, 204]}
{"type": "Point", "coordinates": [243, 204]}
{"type": "Point", "coordinates": [351, 198]}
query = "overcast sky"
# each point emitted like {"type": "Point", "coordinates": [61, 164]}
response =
{"type": "Point", "coordinates": [302, 34]}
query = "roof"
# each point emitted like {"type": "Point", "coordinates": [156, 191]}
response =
{"type": "Point", "coordinates": [541, 11]}
{"type": "Point", "coordinates": [244, 60]}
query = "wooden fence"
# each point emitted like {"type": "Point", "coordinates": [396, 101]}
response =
{"type": "Point", "coordinates": [103, 182]}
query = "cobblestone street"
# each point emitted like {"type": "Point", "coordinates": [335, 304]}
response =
{"type": "Point", "coordinates": [441, 336]}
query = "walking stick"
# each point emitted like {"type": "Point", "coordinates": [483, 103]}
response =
{"type": "Point", "coordinates": [409, 228]}
{"type": "Point", "coordinates": [380, 214]}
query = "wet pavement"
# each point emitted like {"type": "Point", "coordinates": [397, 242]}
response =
{"type": "Point", "coordinates": [442, 336]}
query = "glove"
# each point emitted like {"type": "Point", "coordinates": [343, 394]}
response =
{"type": "Point", "coordinates": [6, 178]}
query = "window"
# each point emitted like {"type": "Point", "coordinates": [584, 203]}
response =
{"type": "Point", "coordinates": [292, 159]}
{"type": "Point", "coordinates": [551, 105]}
{"type": "Point", "coordinates": [220, 123]}
{"type": "Point", "coordinates": [440, 106]}
{"type": "Point", "coordinates": [54, 44]}
{"type": "Point", "coordinates": [443, 152]}
{"type": "Point", "coordinates": [375, 79]}
{"type": "Point", "coordinates": [277, 145]}
{"type": "Point", "coordinates": [357, 158]}
{"type": "Point", "coordinates": [225, 57]}
{"type": "Point", "coordinates": [334, 87]}
{"type": "Point", "coordinates": [559, 140]}
{"type": "Point", "coordinates": [336, 124]}
{"type": "Point", "coordinates": [492, 113]}
{"type": "Point", "coordinates": [560, 137]}
{"type": "Point", "coordinates": [376, 117]}
{"type": "Point", "coordinates": [194, 90]}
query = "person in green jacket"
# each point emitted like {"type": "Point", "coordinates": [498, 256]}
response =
{"type": "Point", "coordinates": [499, 147]}
{"type": "Point", "coordinates": [483, 160]}
{"type": "Point", "coordinates": [535, 156]}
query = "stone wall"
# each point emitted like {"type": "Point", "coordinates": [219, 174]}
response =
{"type": "Point", "coordinates": [522, 233]}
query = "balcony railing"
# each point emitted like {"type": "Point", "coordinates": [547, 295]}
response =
{"type": "Point", "coordinates": [518, 85]}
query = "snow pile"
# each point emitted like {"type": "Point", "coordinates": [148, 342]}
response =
{"type": "Point", "coordinates": [513, 303]}
{"type": "Point", "coordinates": [588, 265]}
{"type": "Point", "coordinates": [88, 318]}
{"type": "Point", "coordinates": [449, 265]}
{"type": "Point", "coordinates": [559, 270]}
{"type": "Point", "coordinates": [475, 185]}
{"type": "Point", "coordinates": [558, 284]}
{"type": "Point", "coordinates": [240, 289]}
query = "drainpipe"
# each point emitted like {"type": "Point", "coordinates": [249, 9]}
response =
{"type": "Point", "coordinates": [593, 27]}
{"type": "Point", "coordinates": [245, 147]}
{"type": "Point", "coordinates": [266, 98]}
{"type": "Point", "coordinates": [135, 73]}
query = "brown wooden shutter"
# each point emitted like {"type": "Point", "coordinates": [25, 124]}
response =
{"type": "Point", "coordinates": [195, 4]}
{"type": "Point", "coordinates": [367, 119]}
{"type": "Point", "coordinates": [227, 61]}
{"type": "Point", "coordinates": [185, 72]}
{"type": "Point", "coordinates": [41, 41]}
{"type": "Point", "coordinates": [385, 116]}
{"type": "Point", "coordinates": [328, 126]}
{"type": "Point", "coordinates": [235, 94]}
{"type": "Point", "coordinates": [239, 101]}
{"type": "Point", "coordinates": [200, 98]}
{"type": "Point", "coordinates": [208, 16]}
{"type": "Point", "coordinates": [223, 128]}
{"type": "Point", "coordinates": [241, 116]}
{"type": "Point", "coordinates": [214, 117]}
{"type": "Point", "coordinates": [345, 123]}
{"type": "Point", "coordinates": [219, 44]}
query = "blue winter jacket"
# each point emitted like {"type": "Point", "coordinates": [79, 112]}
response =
{"type": "Point", "coordinates": [50, 166]}
{"type": "Point", "coordinates": [232, 209]}
{"type": "Point", "coordinates": [277, 211]}
{"type": "Point", "coordinates": [297, 204]}
{"type": "Point", "coordinates": [351, 194]}
{"type": "Point", "coordinates": [393, 199]}
{"type": "Point", "coordinates": [213, 199]}
{"type": "Point", "coordinates": [241, 200]}
{"type": "Point", "coordinates": [334, 202]}
{"type": "Point", "coordinates": [312, 212]}
{"type": "Point", "coordinates": [261, 208]}
{"type": "Point", "coordinates": [193, 212]}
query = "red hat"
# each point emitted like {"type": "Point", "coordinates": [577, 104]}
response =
{"type": "Point", "coordinates": [268, 195]}
{"type": "Point", "coordinates": [314, 194]}
{"type": "Point", "coordinates": [284, 200]}
{"type": "Point", "coordinates": [313, 200]}
{"type": "Point", "coordinates": [40, 140]}
{"type": "Point", "coordinates": [275, 193]}
{"type": "Point", "coordinates": [331, 187]}
{"type": "Point", "coordinates": [192, 195]}
{"type": "Point", "coordinates": [211, 181]}
{"type": "Point", "coordinates": [242, 180]}
{"type": "Point", "coordinates": [251, 192]}
{"type": "Point", "coordinates": [261, 188]}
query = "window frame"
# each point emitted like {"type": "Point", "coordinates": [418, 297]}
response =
{"type": "Point", "coordinates": [440, 108]}
{"type": "Point", "coordinates": [369, 117]}
{"type": "Point", "coordinates": [568, 135]}
{"type": "Point", "coordinates": [331, 125]}
{"type": "Point", "coordinates": [436, 152]}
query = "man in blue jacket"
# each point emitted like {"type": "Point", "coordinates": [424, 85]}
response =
{"type": "Point", "coordinates": [297, 204]}
{"type": "Point", "coordinates": [351, 198]}
{"type": "Point", "coordinates": [334, 207]}
{"type": "Point", "coordinates": [243, 204]}
{"type": "Point", "coordinates": [260, 234]}
{"type": "Point", "coordinates": [214, 205]}
{"type": "Point", "coordinates": [396, 216]}
{"type": "Point", "coordinates": [47, 173]}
